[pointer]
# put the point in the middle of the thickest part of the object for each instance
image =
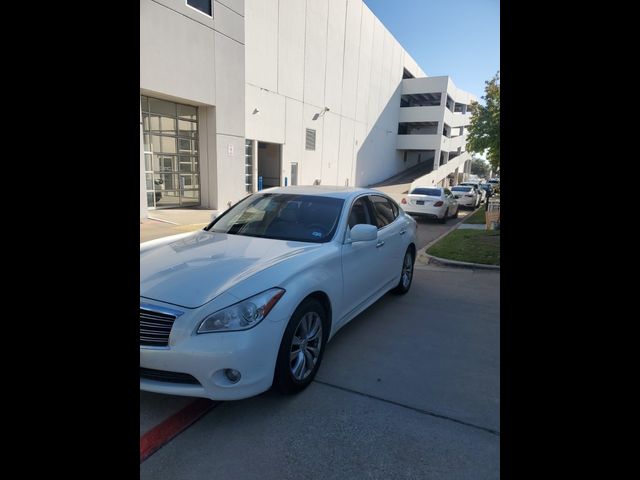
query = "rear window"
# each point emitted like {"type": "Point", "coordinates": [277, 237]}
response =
{"type": "Point", "coordinates": [461, 189]}
{"type": "Point", "coordinates": [432, 192]}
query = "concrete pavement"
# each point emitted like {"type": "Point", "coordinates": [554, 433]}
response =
{"type": "Point", "coordinates": [162, 223]}
{"type": "Point", "coordinates": [409, 389]}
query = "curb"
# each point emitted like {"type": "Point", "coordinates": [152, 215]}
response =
{"type": "Point", "coordinates": [455, 263]}
{"type": "Point", "coordinates": [423, 250]}
{"type": "Point", "coordinates": [162, 220]}
{"type": "Point", "coordinates": [424, 258]}
{"type": "Point", "coordinates": [163, 433]}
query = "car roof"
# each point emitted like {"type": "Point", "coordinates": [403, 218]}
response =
{"type": "Point", "coordinates": [334, 191]}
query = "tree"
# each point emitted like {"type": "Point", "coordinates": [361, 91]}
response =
{"type": "Point", "coordinates": [479, 167]}
{"type": "Point", "coordinates": [484, 130]}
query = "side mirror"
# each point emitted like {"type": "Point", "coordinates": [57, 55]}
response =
{"type": "Point", "coordinates": [364, 233]}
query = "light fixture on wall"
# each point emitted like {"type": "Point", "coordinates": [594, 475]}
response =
{"type": "Point", "coordinates": [256, 110]}
{"type": "Point", "coordinates": [322, 112]}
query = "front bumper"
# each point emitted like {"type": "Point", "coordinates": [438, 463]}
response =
{"type": "Point", "coordinates": [252, 352]}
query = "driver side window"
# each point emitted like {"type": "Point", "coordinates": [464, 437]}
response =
{"type": "Point", "coordinates": [359, 213]}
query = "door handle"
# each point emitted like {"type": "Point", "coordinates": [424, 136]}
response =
{"type": "Point", "coordinates": [379, 244]}
{"type": "Point", "coordinates": [402, 232]}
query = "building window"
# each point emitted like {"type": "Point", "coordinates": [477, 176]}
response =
{"type": "Point", "coordinates": [248, 165]}
{"type": "Point", "coordinates": [417, 128]}
{"type": "Point", "coordinates": [421, 100]}
{"type": "Point", "coordinates": [172, 163]}
{"type": "Point", "coordinates": [203, 6]}
{"type": "Point", "coordinates": [310, 140]}
{"type": "Point", "coordinates": [450, 103]}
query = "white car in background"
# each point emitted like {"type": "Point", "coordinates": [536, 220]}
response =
{"type": "Point", "coordinates": [481, 193]}
{"type": "Point", "coordinates": [466, 195]}
{"type": "Point", "coordinates": [432, 202]}
{"type": "Point", "coordinates": [251, 300]}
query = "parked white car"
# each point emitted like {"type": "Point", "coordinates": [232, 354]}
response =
{"type": "Point", "coordinates": [481, 193]}
{"type": "Point", "coordinates": [433, 202]}
{"type": "Point", "coordinates": [253, 298]}
{"type": "Point", "coordinates": [466, 195]}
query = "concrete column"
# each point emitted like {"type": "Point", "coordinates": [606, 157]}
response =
{"type": "Point", "coordinates": [143, 181]}
{"type": "Point", "coordinates": [455, 177]}
{"type": "Point", "coordinates": [254, 167]}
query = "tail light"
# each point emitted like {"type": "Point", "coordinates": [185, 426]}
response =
{"type": "Point", "coordinates": [438, 203]}
{"type": "Point", "coordinates": [404, 200]}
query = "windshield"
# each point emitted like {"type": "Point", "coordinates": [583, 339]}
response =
{"type": "Point", "coordinates": [300, 218]}
{"type": "Point", "coordinates": [432, 192]}
{"type": "Point", "coordinates": [461, 189]}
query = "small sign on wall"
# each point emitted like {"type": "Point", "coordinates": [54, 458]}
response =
{"type": "Point", "coordinates": [230, 150]}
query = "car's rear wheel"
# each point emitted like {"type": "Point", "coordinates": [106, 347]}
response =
{"type": "Point", "coordinates": [302, 347]}
{"type": "Point", "coordinates": [406, 277]}
{"type": "Point", "coordinates": [444, 217]}
{"type": "Point", "coordinates": [456, 214]}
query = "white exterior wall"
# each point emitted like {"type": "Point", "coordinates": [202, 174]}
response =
{"type": "Point", "coordinates": [189, 58]}
{"type": "Point", "coordinates": [445, 86]}
{"type": "Point", "coordinates": [305, 56]}
{"type": "Point", "coordinates": [267, 70]}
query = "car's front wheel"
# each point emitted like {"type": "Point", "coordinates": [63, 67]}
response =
{"type": "Point", "coordinates": [406, 277]}
{"type": "Point", "coordinates": [301, 348]}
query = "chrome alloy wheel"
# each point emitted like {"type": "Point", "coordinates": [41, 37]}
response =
{"type": "Point", "coordinates": [305, 346]}
{"type": "Point", "coordinates": [407, 267]}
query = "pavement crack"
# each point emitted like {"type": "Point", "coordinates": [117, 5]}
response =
{"type": "Point", "coordinates": [419, 410]}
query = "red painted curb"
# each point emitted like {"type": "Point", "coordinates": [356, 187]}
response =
{"type": "Point", "coordinates": [162, 433]}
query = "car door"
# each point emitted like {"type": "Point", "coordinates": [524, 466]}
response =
{"type": "Point", "coordinates": [361, 266]}
{"type": "Point", "coordinates": [390, 235]}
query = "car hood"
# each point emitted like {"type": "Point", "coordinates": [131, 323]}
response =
{"type": "Point", "coordinates": [193, 270]}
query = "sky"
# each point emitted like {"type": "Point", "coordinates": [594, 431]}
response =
{"type": "Point", "coordinates": [459, 38]}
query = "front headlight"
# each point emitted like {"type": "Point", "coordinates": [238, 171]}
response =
{"type": "Point", "coordinates": [242, 315]}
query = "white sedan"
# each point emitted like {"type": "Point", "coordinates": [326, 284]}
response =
{"type": "Point", "coordinates": [253, 298]}
{"type": "Point", "coordinates": [466, 195]}
{"type": "Point", "coordinates": [433, 202]}
{"type": "Point", "coordinates": [481, 193]}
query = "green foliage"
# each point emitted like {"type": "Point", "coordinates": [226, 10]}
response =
{"type": "Point", "coordinates": [474, 246]}
{"type": "Point", "coordinates": [479, 167]}
{"type": "Point", "coordinates": [477, 217]}
{"type": "Point", "coordinates": [484, 130]}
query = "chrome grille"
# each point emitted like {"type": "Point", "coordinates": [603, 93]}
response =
{"type": "Point", "coordinates": [155, 327]}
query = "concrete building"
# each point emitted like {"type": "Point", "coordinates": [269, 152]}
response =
{"type": "Point", "coordinates": [242, 94]}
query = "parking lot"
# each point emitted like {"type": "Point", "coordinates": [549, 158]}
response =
{"type": "Point", "coordinates": [409, 389]}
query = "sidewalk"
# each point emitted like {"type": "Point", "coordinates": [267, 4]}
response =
{"type": "Point", "coordinates": [162, 223]}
